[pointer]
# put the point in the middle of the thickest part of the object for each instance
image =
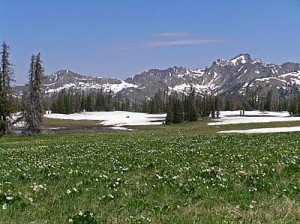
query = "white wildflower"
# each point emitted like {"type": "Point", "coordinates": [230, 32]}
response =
{"type": "Point", "coordinates": [4, 206]}
{"type": "Point", "coordinates": [9, 198]}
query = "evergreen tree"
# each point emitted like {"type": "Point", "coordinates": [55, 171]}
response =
{"type": "Point", "coordinates": [89, 102]}
{"type": "Point", "coordinates": [6, 77]}
{"type": "Point", "coordinates": [145, 107]}
{"type": "Point", "coordinates": [268, 103]}
{"type": "Point", "coordinates": [178, 115]}
{"type": "Point", "coordinates": [169, 117]}
{"type": "Point", "coordinates": [205, 108]}
{"type": "Point", "coordinates": [30, 118]}
{"type": "Point", "coordinates": [217, 103]}
{"type": "Point", "coordinates": [34, 105]}
{"type": "Point", "coordinates": [294, 108]}
{"type": "Point", "coordinates": [192, 112]}
{"type": "Point", "coordinates": [156, 104]}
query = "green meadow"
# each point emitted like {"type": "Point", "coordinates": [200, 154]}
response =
{"type": "Point", "coordinates": [167, 174]}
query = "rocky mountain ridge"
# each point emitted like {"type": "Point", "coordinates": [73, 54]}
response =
{"type": "Point", "coordinates": [240, 74]}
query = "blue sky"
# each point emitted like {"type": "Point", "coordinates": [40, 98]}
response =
{"type": "Point", "coordinates": [118, 38]}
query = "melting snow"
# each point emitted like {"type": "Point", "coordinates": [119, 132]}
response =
{"type": "Point", "coordinates": [114, 118]}
{"type": "Point", "coordinates": [60, 88]}
{"type": "Point", "coordinates": [118, 87]}
{"type": "Point", "coordinates": [233, 117]}
{"type": "Point", "coordinates": [264, 130]}
{"type": "Point", "coordinates": [199, 88]}
{"type": "Point", "coordinates": [115, 88]}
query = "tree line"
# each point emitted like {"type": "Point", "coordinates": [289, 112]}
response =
{"type": "Point", "coordinates": [72, 101]}
{"type": "Point", "coordinates": [183, 107]}
{"type": "Point", "coordinates": [191, 106]}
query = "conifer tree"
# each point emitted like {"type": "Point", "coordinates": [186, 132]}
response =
{"type": "Point", "coordinates": [178, 115]}
{"type": "Point", "coordinates": [34, 101]}
{"type": "Point", "coordinates": [6, 77]}
{"type": "Point", "coordinates": [268, 104]}
{"type": "Point", "coordinates": [169, 117]}
{"type": "Point", "coordinates": [192, 112]}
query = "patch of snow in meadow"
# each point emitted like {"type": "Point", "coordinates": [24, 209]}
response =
{"type": "Point", "coordinates": [264, 130]}
{"type": "Point", "coordinates": [233, 117]}
{"type": "Point", "coordinates": [120, 128]}
{"type": "Point", "coordinates": [114, 118]}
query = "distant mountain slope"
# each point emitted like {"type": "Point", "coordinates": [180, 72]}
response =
{"type": "Point", "coordinates": [240, 74]}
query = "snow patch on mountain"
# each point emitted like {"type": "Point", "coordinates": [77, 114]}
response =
{"type": "Point", "coordinates": [66, 86]}
{"type": "Point", "coordinates": [115, 88]}
{"type": "Point", "coordinates": [288, 78]}
{"type": "Point", "coordinates": [293, 77]}
{"type": "Point", "coordinates": [240, 59]}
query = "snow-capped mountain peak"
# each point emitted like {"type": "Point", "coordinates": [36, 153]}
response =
{"type": "Point", "coordinates": [241, 59]}
{"type": "Point", "coordinates": [240, 74]}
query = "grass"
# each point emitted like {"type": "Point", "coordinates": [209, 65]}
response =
{"type": "Point", "coordinates": [201, 127]}
{"type": "Point", "coordinates": [65, 123]}
{"type": "Point", "coordinates": [161, 174]}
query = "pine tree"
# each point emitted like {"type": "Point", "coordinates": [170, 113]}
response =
{"type": "Point", "coordinates": [6, 77]}
{"type": "Point", "coordinates": [192, 112]}
{"type": "Point", "coordinates": [178, 115]}
{"type": "Point", "coordinates": [29, 99]}
{"type": "Point", "coordinates": [169, 117]}
{"type": "Point", "coordinates": [268, 104]}
{"type": "Point", "coordinates": [34, 105]}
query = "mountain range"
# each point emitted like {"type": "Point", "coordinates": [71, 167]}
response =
{"type": "Point", "coordinates": [240, 74]}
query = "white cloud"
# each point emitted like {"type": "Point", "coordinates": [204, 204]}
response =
{"type": "Point", "coordinates": [168, 43]}
{"type": "Point", "coordinates": [172, 34]}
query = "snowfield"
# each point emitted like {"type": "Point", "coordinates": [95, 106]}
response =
{"type": "Point", "coordinates": [119, 119]}
{"type": "Point", "coordinates": [114, 118]}
{"type": "Point", "coordinates": [233, 117]}
{"type": "Point", "coordinates": [264, 130]}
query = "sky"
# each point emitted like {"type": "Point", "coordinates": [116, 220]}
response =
{"type": "Point", "coordinates": [118, 38]}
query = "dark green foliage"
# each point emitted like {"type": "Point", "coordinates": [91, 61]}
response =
{"type": "Point", "coordinates": [178, 113]}
{"type": "Point", "coordinates": [67, 102]}
{"type": "Point", "coordinates": [169, 117]}
{"type": "Point", "coordinates": [2, 126]}
{"type": "Point", "coordinates": [6, 77]}
{"type": "Point", "coordinates": [189, 108]}
{"type": "Point", "coordinates": [192, 111]}
{"type": "Point", "coordinates": [34, 100]}
{"type": "Point", "coordinates": [157, 103]}
{"type": "Point", "coordinates": [294, 107]}
{"type": "Point", "coordinates": [269, 104]}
